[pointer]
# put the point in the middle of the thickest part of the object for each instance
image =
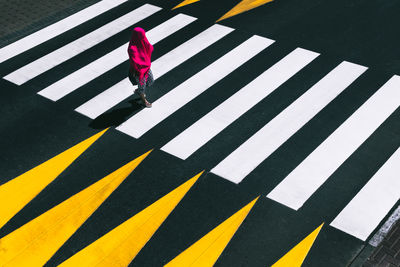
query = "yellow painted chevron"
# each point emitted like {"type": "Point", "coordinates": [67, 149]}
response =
{"type": "Point", "coordinates": [206, 251]}
{"type": "Point", "coordinates": [34, 243]}
{"type": "Point", "coordinates": [186, 2]}
{"type": "Point", "coordinates": [121, 245]}
{"type": "Point", "coordinates": [21, 190]}
{"type": "Point", "coordinates": [244, 5]}
{"type": "Point", "coordinates": [296, 256]}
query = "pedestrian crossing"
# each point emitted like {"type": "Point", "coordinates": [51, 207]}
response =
{"type": "Point", "coordinates": [288, 122]}
{"type": "Point", "coordinates": [365, 211]}
{"type": "Point", "coordinates": [100, 66]}
{"type": "Point", "coordinates": [117, 93]}
{"type": "Point", "coordinates": [183, 145]}
{"type": "Point", "coordinates": [295, 189]}
{"type": "Point", "coordinates": [76, 47]}
{"type": "Point", "coordinates": [146, 119]}
{"type": "Point", "coordinates": [56, 29]}
{"type": "Point", "coordinates": [303, 181]}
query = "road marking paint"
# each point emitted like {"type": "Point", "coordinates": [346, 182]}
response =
{"type": "Point", "coordinates": [368, 208]}
{"type": "Point", "coordinates": [56, 29]}
{"type": "Point", "coordinates": [21, 190]}
{"type": "Point", "coordinates": [112, 59]}
{"type": "Point", "coordinates": [120, 91]}
{"type": "Point", "coordinates": [222, 116]}
{"type": "Point", "coordinates": [306, 178]}
{"type": "Point", "coordinates": [146, 119]}
{"type": "Point", "coordinates": [243, 6]}
{"type": "Point", "coordinates": [207, 250]}
{"type": "Point", "coordinates": [121, 245]}
{"type": "Point", "coordinates": [184, 3]}
{"type": "Point", "coordinates": [296, 256]}
{"type": "Point", "coordinates": [68, 51]}
{"type": "Point", "coordinates": [264, 142]}
{"type": "Point", "coordinates": [380, 235]}
{"type": "Point", "coordinates": [34, 243]}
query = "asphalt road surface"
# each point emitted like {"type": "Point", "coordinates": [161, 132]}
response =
{"type": "Point", "coordinates": [293, 101]}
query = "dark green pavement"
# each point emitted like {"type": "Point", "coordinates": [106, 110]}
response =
{"type": "Point", "coordinates": [34, 129]}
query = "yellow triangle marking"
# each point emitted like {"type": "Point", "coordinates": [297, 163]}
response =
{"type": "Point", "coordinates": [296, 256]}
{"type": "Point", "coordinates": [184, 3]}
{"type": "Point", "coordinates": [244, 5]}
{"type": "Point", "coordinates": [206, 251]}
{"type": "Point", "coordinates": [121, 245]}
{"type": "Point", "coordinates": [22, 189]}
{"type": "Point", "coordinates": [34, 243]}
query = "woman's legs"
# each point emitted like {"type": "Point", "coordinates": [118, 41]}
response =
{"type": "Point", "coordinates": [149, 82]}
{"type": "Point", "coordinates": [142, 87]}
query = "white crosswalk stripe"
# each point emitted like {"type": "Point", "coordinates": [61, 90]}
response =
{"type": "Point", "coordinates": [112, 59]}
{"type": "Point", "coordinates": [306, 178]}
{"type": "Point", "coordinates": [269, 138]}
{"type": "Point", "coordinates": [56, 29]}
{"type": "Point", "coordinates": [369, 207]}
{"type": "Point", "coordinates": [76, 47]}
{"type": "Point", "coordinates": [146, 119]}
{"type": "Point", "coordinates": [219, 118]}
{"type": "Point", "coordinates": [117, 93]}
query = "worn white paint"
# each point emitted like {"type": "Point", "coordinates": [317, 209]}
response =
{"type": "Point", "coordinates": [306, 178]}
{"type": "Point", "coordinates": [112, 59]}
{"type": "Point", "coordinates": [380, 235]}
{"type": "Point", "coordinates": [56, 29]}
{"type": "Point", "coordinates": [68, 51]}
{"type": "Point", "coordinates": [120, 91]}
{"type": "Point", "coordinates": [146, 119]}
{"type": "Point", "coordinates": [368, 208]}
{"type": "Point", "coordinates": [231, 109]}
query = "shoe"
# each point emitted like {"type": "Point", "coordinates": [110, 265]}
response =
{"type": "Point", "coordinates": [147, 104]}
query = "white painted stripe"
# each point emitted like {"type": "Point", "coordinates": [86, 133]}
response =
{"type": "Point", "coordinates": [146, 119]}
{"type": "Point", "coordinates": [231, 109]}
{"type": "Point", "coordinates": [303, 181]}
{"type": "Point", "coordinates": [102, 102]}
{"type": "Point", "coordinates": [57, 28]}
{"type": "Point", "coordinates": [80, 45]}
{"type": "Point", "coordinates": [100, 66]}
{"type": "Point", "coordinates": [262, 144]}
{"type": "Point", "coordinates": [368, 208]}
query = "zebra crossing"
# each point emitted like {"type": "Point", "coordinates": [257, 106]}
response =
{"type": "Point", "coordinates": [57, 28]}
{"type": "Point", "coordinates": [76, 47]}
{"type": "Point", "coordinates": [288, 122]}
{"type": "Point", "coordinates": [114, 95]}
{"type": "Point", "coordinates": [100, 66]}
{"type": "Point", "coordinates": [385, 184]}
{"type": "Point", "coordinates": [295, 189]}
{"type": "Point", "coordinates": [193, 87]}
{"type": "Point", "coordinates": [232, 108]}
{"type": "Point", "coordinates": [299, 185]}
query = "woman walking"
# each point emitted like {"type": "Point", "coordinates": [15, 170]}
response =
{"type": "Point", "coordinates": [139, 51]}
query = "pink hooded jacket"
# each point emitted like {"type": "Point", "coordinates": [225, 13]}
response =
{"type": "Point", "coordinates": [139, 51]}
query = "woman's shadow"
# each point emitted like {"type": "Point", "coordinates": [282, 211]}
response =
{"type": "Point", "coordinates": [117, 116]}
